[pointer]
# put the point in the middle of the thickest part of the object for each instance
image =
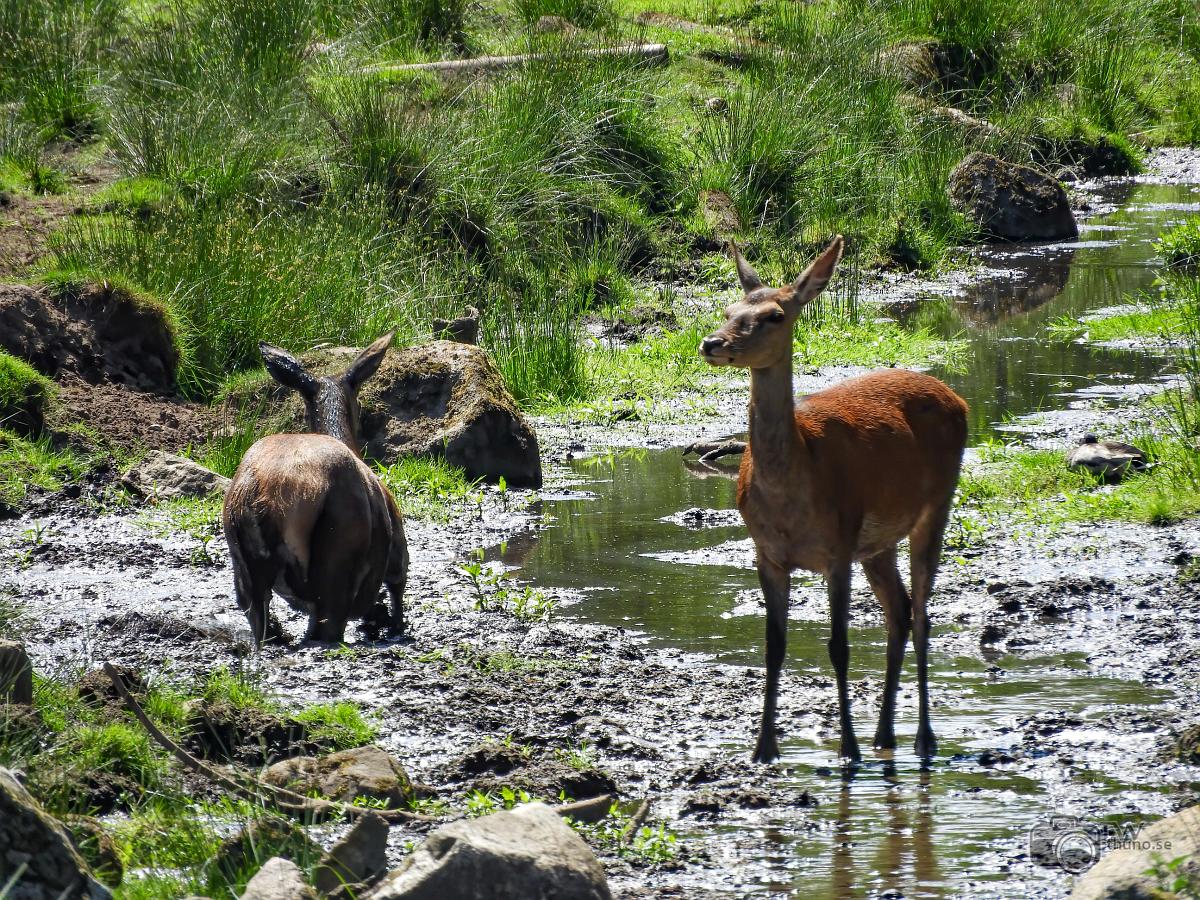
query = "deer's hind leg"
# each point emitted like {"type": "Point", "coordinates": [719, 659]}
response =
{"type": "Point", "coordinates": [253, 580]}
{"type": "Point", "coordinates": [925, 547]}
{"type": "Point", "coordinates": [396, 576]}
{"type": "Point", "coordinates": [884, 577]}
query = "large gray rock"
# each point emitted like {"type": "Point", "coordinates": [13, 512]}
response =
{"type": "Point", "coordinates": [278, 879]}
{"type": "Point", "coordinates": [443, 399]}
{"type": "Point", "coordinates": [167, 476]}
{"type": "Point", "coordinates": [357, 857]}
{"type": "Point", "coordinates": [1010, 201]}
{"type": "Point", "coordinates": [29, 838]}
{"type": "Point", "coordinates": [16, 675]}
{"type": "Point", "coordinates": [526, 854]}
{"type": "Point", "coordinates": [362, 772]}
{"type": "Point", "coordinates": [1121, 874]}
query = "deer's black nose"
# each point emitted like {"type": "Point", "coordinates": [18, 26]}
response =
{"type": "Point", "coordinates": [711, 344]}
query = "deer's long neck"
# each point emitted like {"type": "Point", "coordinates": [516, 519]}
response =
{"type": "Point", "coordinates": [775, 444]}
{"type": "Point", "coordinates": [330, 415]}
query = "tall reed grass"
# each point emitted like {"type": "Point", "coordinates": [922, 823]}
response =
{"type": "Point", "coordinates": [307, 201]}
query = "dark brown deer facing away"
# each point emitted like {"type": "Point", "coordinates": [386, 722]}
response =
{"type": "Point", "coordinates": [306, 517]}
{"type": "Point", "coordinates": [844, 475]}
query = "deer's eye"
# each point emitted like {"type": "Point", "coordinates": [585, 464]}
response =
{"type": "Point", "coordinates": [776, 316]}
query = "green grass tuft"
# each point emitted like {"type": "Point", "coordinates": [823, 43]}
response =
{"type": "Point", "coordinates": [24, 395]}
{"type": "Point", "coordinates": [427, 487]}
{"type": "Point", "coordinates": [34, 463]}
{"type": "Point", "coordinates": [1180, 246]}
{"type": "Point", "coordinates": [341, 724]}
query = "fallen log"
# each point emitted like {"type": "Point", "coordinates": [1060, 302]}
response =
{"type": "Point", "coordinates": [650, 54]}
{"type": "Point", "coordinates": [250, 787]}
{"type": "Point", "coordinates": [709, 450]}
{"type": "Point", "coordinates": [591, 810]}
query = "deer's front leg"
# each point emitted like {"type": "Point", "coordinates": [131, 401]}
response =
{"type": "Point", "coordinates": [776, 586]}
{"type": "Point", "coordinates": [839, 654]}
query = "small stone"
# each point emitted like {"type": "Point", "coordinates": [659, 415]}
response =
{"type": "Point", "coordinates": [359, 856]}
{"type": "Point", "coordinates": [527, 852]}
{"type": "Point", "coordinates": [554, 25]}
{"type": "Point", "coordinates": [16, 674]}
{"type": "Point", "coordinates": [168, 476]}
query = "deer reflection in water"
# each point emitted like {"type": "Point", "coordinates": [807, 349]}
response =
{"type": "Point", "coordinates": [903, 863]}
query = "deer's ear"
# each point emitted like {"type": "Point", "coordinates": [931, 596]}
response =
{"type": "Point", "coordinates": [368, 362]}
{"type": "Point", "coordinates": [288, 370]}
{"type": "Point", "coordinates": [814, 279]}
{"type": "Point", "coordinates": [746, 274]}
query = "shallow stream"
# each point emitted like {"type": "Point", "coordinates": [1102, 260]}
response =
{"type": "Point", "coordinates": [622, 537]}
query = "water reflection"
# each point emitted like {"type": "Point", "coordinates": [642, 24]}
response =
{"type": "Point", "coordinates": [1019, 287]}
{"type": "Point", "coordinates": [1012, 369]}
{"type": "Point", "coordinates": [889, 854]}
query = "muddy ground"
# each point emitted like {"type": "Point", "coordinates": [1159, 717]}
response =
{"type": "Point", "coordinates": [1110, 602]}
{"type": "Point", "coordinates": [659, 723]}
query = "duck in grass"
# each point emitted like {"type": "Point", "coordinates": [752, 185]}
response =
{"type": "Point", "coordinates": [1110, 460]}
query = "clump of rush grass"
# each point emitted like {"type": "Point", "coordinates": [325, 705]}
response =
{"type": "Point", "coordinates": [1180, 246]}
{"type": "Point", "coordinates": [23, 394]}
{"type": "Point", "coordinates": [35, 463]}
{"type": "Point", "coordinates": [236, 689]}
{"type": "Point", "coordinates": [341, 725]}
{"type": "Point", "coordinates": [52, 55]}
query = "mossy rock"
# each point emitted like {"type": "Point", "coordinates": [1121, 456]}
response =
{"type": "Point", "coordinates": [368, 772]}
{"type": "Point", "coordinates": [24, 395]}
{"type": "Point", "coordinates": [1011, 202]}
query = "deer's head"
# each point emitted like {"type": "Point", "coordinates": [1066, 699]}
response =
{"type": "Point", "coordinates": [757, 332]}
{"type": "Point", "coordinates": [331, 403]}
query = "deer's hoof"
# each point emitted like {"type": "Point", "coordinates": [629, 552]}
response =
{"type": "Point", "coordinates": [767, 750]}
{"type": "Point", "coordinates": [885, 740]}
{"type": "Point", "coordinates": [926, 745]}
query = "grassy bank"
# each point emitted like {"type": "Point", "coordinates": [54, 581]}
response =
{"type": "Point", "coordinates": [273, 190]}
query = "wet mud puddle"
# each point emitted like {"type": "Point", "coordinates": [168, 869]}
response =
{"type": "Point", "coordinates": [1057, 658]}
